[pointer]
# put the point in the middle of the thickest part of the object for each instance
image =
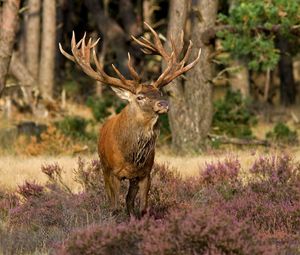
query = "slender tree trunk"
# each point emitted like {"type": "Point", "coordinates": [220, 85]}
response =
{"type": "Point", "coordinates": [21, 73]}
{"type": "Point", "coordinates": [239, 80]}
{"type": "Point", "coordinates": [148, 7]}
{"type": "Point", "coordinates": [112, 32]}
{"type": "Point", "coordinates": [128, 17]}
{"type": "Point", "coordinates": [287, 81]}
{"type": "Point", "coordinates": [191, 99]}
{"type": "Point", "coordinates": [25, 78]}
{"type": "Point", "coordinates": [48, 49]}
{"type": "Point", "coordinates": [8, 26]}
{"type": "Point", "coordinates": [33, 36]}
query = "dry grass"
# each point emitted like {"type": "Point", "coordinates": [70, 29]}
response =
{"type": "Point", "coordinates": [15, 170]}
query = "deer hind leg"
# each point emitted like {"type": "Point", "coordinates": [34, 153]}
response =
{"type": "Point", "coordinates": [132, 192]}
{"type": "Point", "coordinates": [144, 187]}
{"type": "Point", "coordinates": [112, 187]}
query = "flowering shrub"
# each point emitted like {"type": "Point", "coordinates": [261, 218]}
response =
{"type": "Point", "coordinates": [222, 172]}
{"type": "Point", "coordinates": [7, 201]}
{"type": "Point", "coordinates": [271, 201]}
{"type": "Point", "coordinates": [213, 213]}
{"type": "Point", "coordinates": [163, 194]}
{"type": "Point", "coordinates": [187, 232]}
{"type": "Point", "coordinates": [89, 176]}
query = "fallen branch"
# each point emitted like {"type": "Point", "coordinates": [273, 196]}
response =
{"type": "Point", "coordinates": [238, 141]}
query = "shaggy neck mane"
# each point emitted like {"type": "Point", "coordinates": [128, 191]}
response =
{"type": "Point", "coordinates": [138, 134]}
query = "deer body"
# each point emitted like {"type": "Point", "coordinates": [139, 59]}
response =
{"type": "Point", "coordinates": [127, 140]}
{"type": "Point", "coordinates": [131, 145]}
{"type": "Point", "coordinates": [127, 148]}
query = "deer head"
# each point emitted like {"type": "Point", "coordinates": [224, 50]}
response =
{"type": "Point", "coordinates": [146, 97]}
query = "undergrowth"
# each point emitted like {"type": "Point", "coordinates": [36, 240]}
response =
{"type": "Point", "coordinates": [233, 116]}
{"type": "Point", "coordinates": [281, 133]}
{"type": "Point", "coordinates": [213, 213]}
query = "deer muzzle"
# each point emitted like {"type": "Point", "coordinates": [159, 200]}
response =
{"type": "Point", "coordinates": [161, 106]}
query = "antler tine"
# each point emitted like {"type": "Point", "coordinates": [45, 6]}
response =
{"type": "Point", "coordinates": [178, 48]}
{"type": "Point", "coordinates": [67, 55]}
{"type": "Point", "coordinates": [174, 48]}
{"type": "Point", "coordinates": [132, 71]}
{"type": "Point", "coordinates": [83, 46]}
{"type": "Point", "coordinates": [187, 54]}
{"type": "Point", "coordinates": [98, 65]}
{"type": "Point", "coordinates": [175, 67]}
{"type": "Point", "coordinates": [165, 72]}
{"type": "Point", "coordinates": [81, 54]}
{"type": "Point", "coordinates": [120, 75]}
{"type": "Point", "coordinates": [157, 42]}
{"type": "Point", "coordinates": [182, 70]}
{"type": "Point", "coordinates": [148, 47]}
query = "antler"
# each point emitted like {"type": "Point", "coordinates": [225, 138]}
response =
{"type": "Point", "coordinates": [174, 66]}
{"type": "Point", "coordinates": [81, 55]}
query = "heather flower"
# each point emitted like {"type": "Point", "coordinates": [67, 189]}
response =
{"type": "Point", "coordinates": [30, 189]}
{"type": "Point", "coordinates": [226, 171]}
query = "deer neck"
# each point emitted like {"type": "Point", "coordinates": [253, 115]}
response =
{"type": "Point", "coordinates": [138, 134]}
{"type": "Point", "coordinates": [138, 122]}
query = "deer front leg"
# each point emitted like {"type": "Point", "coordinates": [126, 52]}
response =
{"type": "Point", "coordinates": [132, 192]}
{"type": "Point", "coordinates": [144, 186]}
{"type": "Point", "coordinates": [112, 187]}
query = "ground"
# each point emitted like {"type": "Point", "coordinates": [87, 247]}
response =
{"type": "Point", "coordinates": [14, 170]}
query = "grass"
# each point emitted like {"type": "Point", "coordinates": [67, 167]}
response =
{"type": "Point", "coordinates": [14, 170]}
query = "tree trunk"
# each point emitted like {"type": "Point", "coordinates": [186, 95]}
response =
{"type": "Point", "coordinates": [239, 79]}
{"type": "Point", "coordinates": [287, 81]}
{"type": "Point", "coordinates": [128, 17]}
{"type": "Point", "coordinates": [22, 74]}
{"type": "Point", "coordinates": [48, 49]}
{"type": "Point", "coordinates": [115, 35]}
{"type": "Point", "coordinates": [33, 36]}
{"type": "Point", "coordinates": [191, 99]}
{"type": "Point", "coordinates": [8, 26]}
{"type": "Point", "coordinates": [27, 81]}
{"type": "Point", "coordinates": [148, 10]}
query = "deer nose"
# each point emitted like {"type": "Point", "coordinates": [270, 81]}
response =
{"type": "Point", "coordinates": [162, 106]}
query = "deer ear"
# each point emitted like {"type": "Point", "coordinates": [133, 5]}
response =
{"type": "Point", "coordinates": [123, 94]}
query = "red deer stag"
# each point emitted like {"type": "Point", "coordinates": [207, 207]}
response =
{"type": "Point", "coordinates": [127, 140]}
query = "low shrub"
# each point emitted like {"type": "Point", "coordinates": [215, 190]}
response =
{"type": "Point", "coordinates": [44, 215]}
{"type": "Point", "coordinates": [73, 126]}
{"type": "Point", "coordinates": [221, 172]}
{"type": "Point", "coordinates": [213, 213]}
{"type": "Point", "coordinates": [281, 133]}
{"type": "Point", "coordinates": [7, 201]}
{"type": "Point", "coordinates": [163, 194]}
{"type": "Point", "coordinates": [54, 142]}
{"type": "Point", "coordinates": [104, 106]}
{"type": "Point", "coordinates": [197, 231]}
{"type": "Point", "coordinates": [51, 142]}
{"type": "Point", "coordinates": [233, 116]}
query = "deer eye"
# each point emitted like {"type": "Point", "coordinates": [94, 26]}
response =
{"type": "Point", "coordinates": [140, 97]}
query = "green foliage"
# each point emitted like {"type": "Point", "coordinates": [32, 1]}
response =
{"type": "Point", "coordinates": [282, 133]}
{"type": "Point", "coordinates": [74, 126]}
{"type": "Point", "coordinates": [252, 30]}
{"type": "Point", "coordinates": [233, 116]}
{"type": "Point", "coordinates": [100, 106]}
{"type": "Point", "coordinates": [165, 131]}
{"type": "Point", "coordinates": [72, 88]}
